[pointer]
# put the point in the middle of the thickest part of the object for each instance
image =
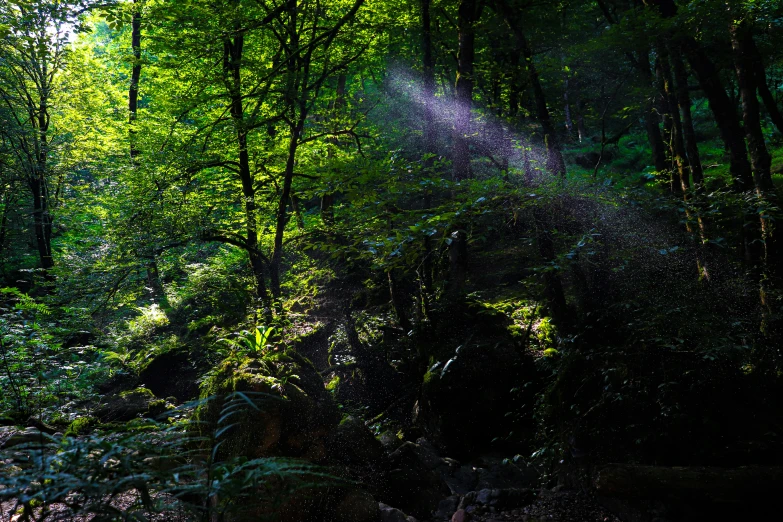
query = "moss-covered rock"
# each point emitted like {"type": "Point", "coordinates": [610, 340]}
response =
{"type": "Point", "coordinates": [81, 426]}
{"type": "Point", "coordinates": [125, 406]}
{"type": "Point", "coordinates": [277, 406]}
{"type": "Point", "coordinates": [285, 409]}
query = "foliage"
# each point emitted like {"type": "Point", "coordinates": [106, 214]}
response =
{"type": "Point", "coordinates": [39, 376]}
{"type": "Point", "coordinates": [155, 469]}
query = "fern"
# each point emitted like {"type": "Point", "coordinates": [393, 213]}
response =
{"type": "Point", "coordinates": [161, 468]}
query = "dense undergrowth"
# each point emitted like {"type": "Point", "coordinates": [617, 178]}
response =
{"type": "Point", "coordinates": [640, 359]}
{"type": "Point", "coordinates": [305, 271]}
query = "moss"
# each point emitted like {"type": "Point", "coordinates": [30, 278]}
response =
{"type": "Point", "coordinates": [81, 426]}
{"type": "Point", "coordinates": [333, 384]}
{"type": "Point", "coordinates": [158, 406]}
{"type": "Point", "coordinates": [141, 425]}
{"type": "Point", "coordinates": [516, 331]}
{"type": "Point", "coordinates": [546, 333]}
{"type": "Point", "coordinates": [137, 391]}
{"type": "Point", "coordinates": [289, 403]}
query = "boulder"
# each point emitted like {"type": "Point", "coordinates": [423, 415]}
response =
{"type": "Point", "coordinates": [447, 507]}
{"type": "Point", "coordinates": [172, 374]}
{"type": "Point", "coordinates": [357, 506]}
{"type": "Point", "coordinates": [390, 514]}
{"type": "Point", "coordinates": [351, 442]}
{"type": "Point", "coordinates": [414, 481]}
{"type": "Point", "coordinates": [460, 516]}
{"type": "Point", "coordinates": [119, 382]}
{"type": "Point", "coordinates": [464, 400]}
{"type": "Point", "coordinates": [128, 405]}
{"type": "Point", "coordinates": [509, 498]}
{"type": "Point", "coordinates": [481, 374]}
{"type": "Point", "coordinates": [284, 410]}
{"type": "Point", "coordinates": [29, 437]}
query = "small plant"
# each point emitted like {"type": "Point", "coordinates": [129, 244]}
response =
{"type": "Point", "coordinates": [257, 342]}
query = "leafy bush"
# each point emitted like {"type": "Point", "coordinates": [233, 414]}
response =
{"type": "Point", "coordinates": [38, 376]}
{"type": "Point", "coordinates": [147, 470]}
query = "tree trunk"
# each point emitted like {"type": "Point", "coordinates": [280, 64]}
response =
{"type": "Point", "coordinates": [428, 80]}
{"type": "Point", "coordinates": [651, 118]}
{"type": "Point", "coordinates": [668, 129]}
{"type": "Point", "coordinates": [458, 263]}
{"type": "Point", "coordinates": [580, 121]}
{"type": "Point", "coordinates": [761, 83]}
{"type": "Point", "coordinates": [759, 156]}
{"type": "Point", "coordinates": [42, 218]}
{"type": "Point", "coordinates": [723, 111]}
{"type": "Point", "coordinates": [684, 101]}
{"type": "Point", "coordinates": [282, 214]}
{"type": "Point", "coordinates": [300, 224]}
{"type": "Point", "coordinates": [680, 176]}
{"type": "Point", "coordinates": [232, 58]}
{"type": "Point", "coordinates": [133, 91]}
{"type": "Point", "coordinates": [153, 274]}
{"type": "Point", "coordinates": [554, 160]}
{"type": "Point", "coordinates": [428, 87]}
{"type": "Point", "coordinates": [569, 122]}
{"type": "Point", "coordinates": [4, 225]}
{"type": "Point", "coordinates": [651, 125]}
{"type": "Point", "coordinates": [398, 303]}
{"type": "Point", "coordinates": [466, 18]}
{"type": "Point", "coordinates": [42, 221]}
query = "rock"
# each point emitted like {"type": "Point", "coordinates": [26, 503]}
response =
{"type": "Point", "coordinates": [125, 406]}
{"type": "Point", "coordinates": [412, 481]}
{"type": "Point", "coordinates": [461, 479]}
{"type": "Point", "coordinates": [428, 455]}
{"type": "Point", "coordinates": [40, 425]}
{"type": "Point", "coordinates": [447, 507]}
{"type": "Point", "coordinates": [390, 441]}
{"type": "Point", "coordinates": [117, 383]}
{"type": "Point", "coordinates": [390, 514]}
{"type": "Point", "coordinates": [485, 496]}
{"type": "Point", "coordinates": [357, 506]}
{"type": "Point", "coordinates": [81, 426]}
{"type": "Point", "coordinates": [292, 414]}
{"type": "Point", "coordinates": [30, 436]}
{"type": "Point", "coordinates": [504, 499]}
{"type": "Point", "coordinates": [351, 442]}
{"type": "Point", "coordinates": [173, 373]}
{"type": "Point", "coordinates": [460, 516]}
{"type": "Point", "coordinates": [493, 472]}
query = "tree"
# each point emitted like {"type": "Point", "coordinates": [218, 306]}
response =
{"type": "Point", "coordinates": [34, 53]}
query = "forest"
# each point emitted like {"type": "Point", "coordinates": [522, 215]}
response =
{"type": "Point", "coordinates": [391, 260]}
